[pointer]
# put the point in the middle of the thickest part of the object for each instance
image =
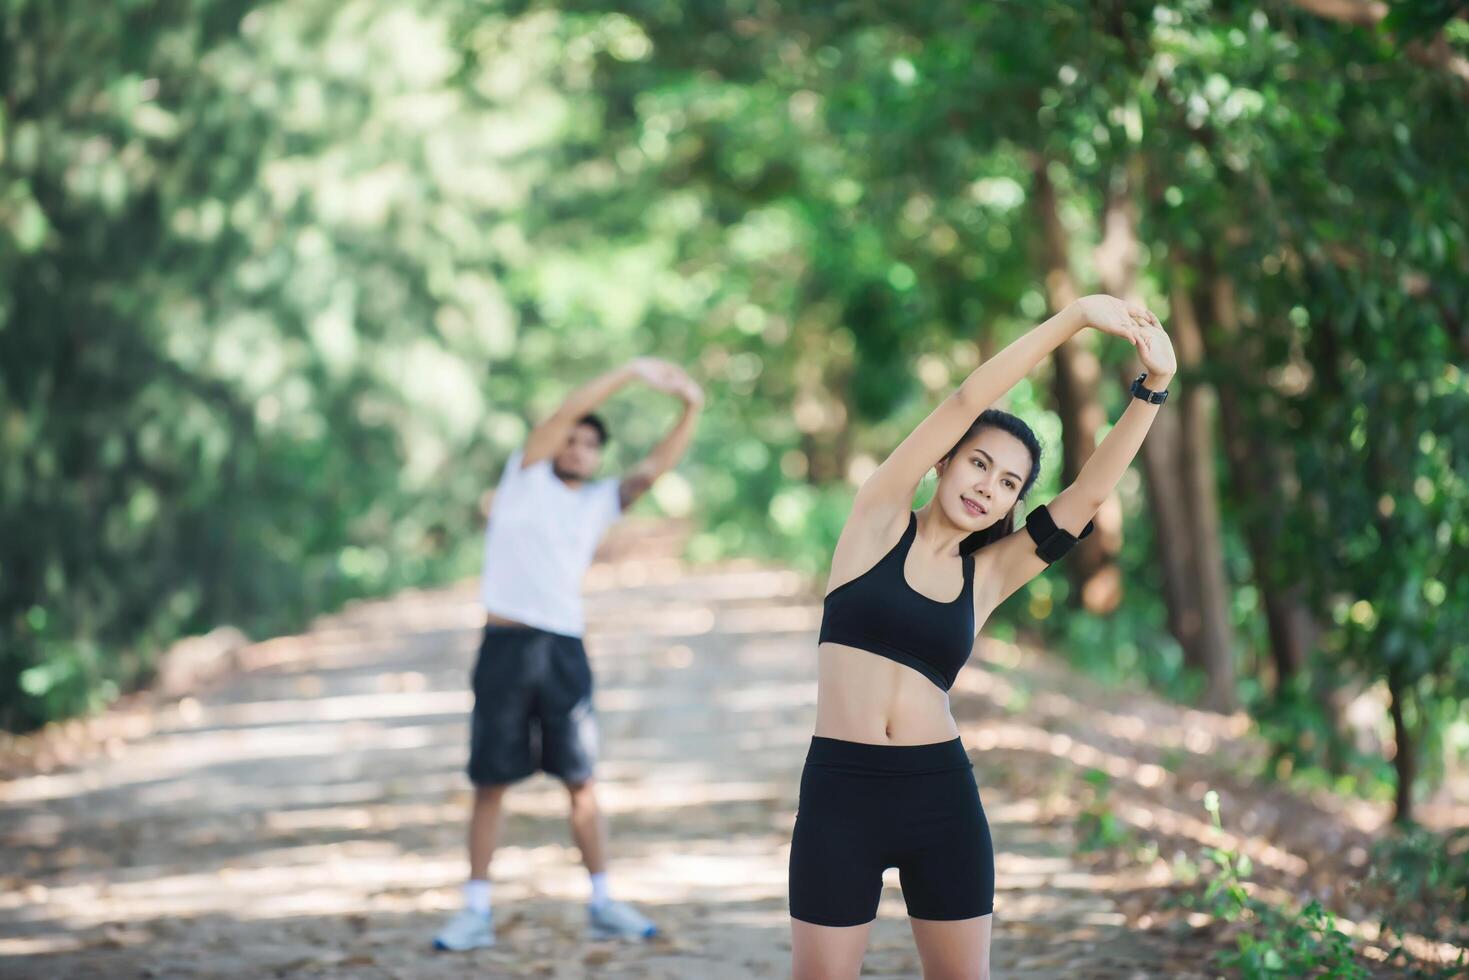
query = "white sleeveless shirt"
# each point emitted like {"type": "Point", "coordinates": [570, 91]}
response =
{"type": "Point", "coordinates": [539, 542]}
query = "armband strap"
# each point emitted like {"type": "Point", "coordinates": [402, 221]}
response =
{"type": "Point", "coordinates": [1051, 541]}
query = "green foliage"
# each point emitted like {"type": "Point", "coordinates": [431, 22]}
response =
{"type": "Point", "coordinates": [284, 283]}
{"type": "Point", "coordinates": [1424, 878]}
{"type": "Point", "coordinates": [258, 352]}
{"type": "Point", "coordinates": [1412, 20]}
{"type": "Point", "coordinates": [865, 191]}
{"type": "Point", "coordinates": [1270, 940]}
{"type": "Point", "coordinates": [1308, 751]}
{"type": "Point", "coordinates": [1273, 940]}
{"type": "Point", "coordinates": [1097, 827]}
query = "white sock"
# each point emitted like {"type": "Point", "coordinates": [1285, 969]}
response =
{"type": "Point", "coordinates": [599, 887]}
{"type": "Point", "coordinates": [477, 895]}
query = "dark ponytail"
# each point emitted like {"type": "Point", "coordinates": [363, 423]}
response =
{"type": "Point", "coordinates": [997, 418]}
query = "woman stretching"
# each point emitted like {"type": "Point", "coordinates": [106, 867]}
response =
{"type": "Point", "coordinates": [887, 782]}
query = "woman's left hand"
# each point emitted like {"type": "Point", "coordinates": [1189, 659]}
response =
{"type": "Point", "coordinates": [1155, 350]}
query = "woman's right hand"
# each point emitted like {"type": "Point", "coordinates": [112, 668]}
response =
{"type": "Point", "coordinates": [1115, 316]}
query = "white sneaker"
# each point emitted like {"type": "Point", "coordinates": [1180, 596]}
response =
{"type": "Point", "coordinates": [468, 929]}
{"type": "Point", "coordinates": [619, 920]}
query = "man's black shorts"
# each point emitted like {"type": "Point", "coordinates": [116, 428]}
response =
{"type": "Point", "coordinates": [532, 707]}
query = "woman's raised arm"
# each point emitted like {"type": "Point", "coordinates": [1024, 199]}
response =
{"type": "Point", "coordinates": [1013, 561]}
{"type": "Point", "coordinates": [890, 487]}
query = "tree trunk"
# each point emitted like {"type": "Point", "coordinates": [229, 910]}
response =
{"type": "Point", "coordinates": [1282, 614]}
{"type": "Point", "coordinates": [822, 384]}
{"type": "Point", "coordinates": [1169, 512]}
{"type": "Point", "coordinates": [1096, 579]}
{"type": "Point", "coordinates": [1291, 624]}
{"type": "Point", "coordinates": [1405, 755]}
{"type": "Point", "coordinates": [1183, 541]}
{"type": "Point", "coordinates": [1204, 551]}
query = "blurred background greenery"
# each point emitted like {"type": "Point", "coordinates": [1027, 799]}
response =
{"type": "Point", "coordinates": [284, 283]}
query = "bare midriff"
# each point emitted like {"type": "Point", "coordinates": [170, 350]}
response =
{"type": "Point", "coordinates": [493, 620]}
{"type": "Point", "coordinates": [862, 697]}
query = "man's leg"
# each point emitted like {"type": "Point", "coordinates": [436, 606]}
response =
{"type": "Point", "coordinates": [501, 751]}
{"type": "Point", "coordinates": [609, 919]}
{"type": "Point", "coordinates": [589, 830]}
{"type": "Point", "coordinates": [472, 927]}
{"type": "Point", "coordinates": [485, 822]}
{"type": "Point", "coordinates": [569, 750]}
{"type": "Point", "coordinates": [588, 826]}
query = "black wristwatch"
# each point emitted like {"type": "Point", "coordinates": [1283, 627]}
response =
{"type": "Point", "coordinates": [1147, 394]}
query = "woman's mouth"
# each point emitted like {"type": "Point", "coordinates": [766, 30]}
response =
{"type": "Point", "coordinates": [975, 508]}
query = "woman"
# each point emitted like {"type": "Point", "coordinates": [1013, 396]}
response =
{"type": "Point", "coordinates": [887, 782]}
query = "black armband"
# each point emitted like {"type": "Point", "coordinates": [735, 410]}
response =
{"type": "Point", "coordinates": [1051, 541]}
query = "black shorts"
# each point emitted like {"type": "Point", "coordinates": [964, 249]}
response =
{"type": "Point", "coordinates": [864, 808]}
{"type": "Point", "coordinates": [532, 707]}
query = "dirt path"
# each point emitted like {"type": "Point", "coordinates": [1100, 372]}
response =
{"type": "Point", "coordinates": [306, 818]}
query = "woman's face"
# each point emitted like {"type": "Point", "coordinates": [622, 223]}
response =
{"type": "Point", "coordinates": [981, 482]}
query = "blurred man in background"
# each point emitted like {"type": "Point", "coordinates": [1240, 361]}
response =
{"type": "Point", "coordinates": [532, 682]}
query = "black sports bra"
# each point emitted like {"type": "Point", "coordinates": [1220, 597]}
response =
{"type": "Point", "coordinates": [878, 611]}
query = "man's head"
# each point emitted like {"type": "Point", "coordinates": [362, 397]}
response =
{"type": "Point", "coordinates": [581, 457]}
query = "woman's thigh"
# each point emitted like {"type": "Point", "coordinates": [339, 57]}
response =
{"type": "Point", "coordinates": [954, 949]}
{"type": "Point", "coordinates": [947, 862]}
{"type": "Point", "coordinates": [827, 952]}
{"type": "Point", "coordinates": [836, 860]}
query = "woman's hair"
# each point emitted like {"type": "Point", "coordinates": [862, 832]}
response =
{"type": "Point", "coordinates": [1004, 421]}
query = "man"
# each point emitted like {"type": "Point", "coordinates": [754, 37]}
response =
{"type": "Point", "coordinates": [532, 682]}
